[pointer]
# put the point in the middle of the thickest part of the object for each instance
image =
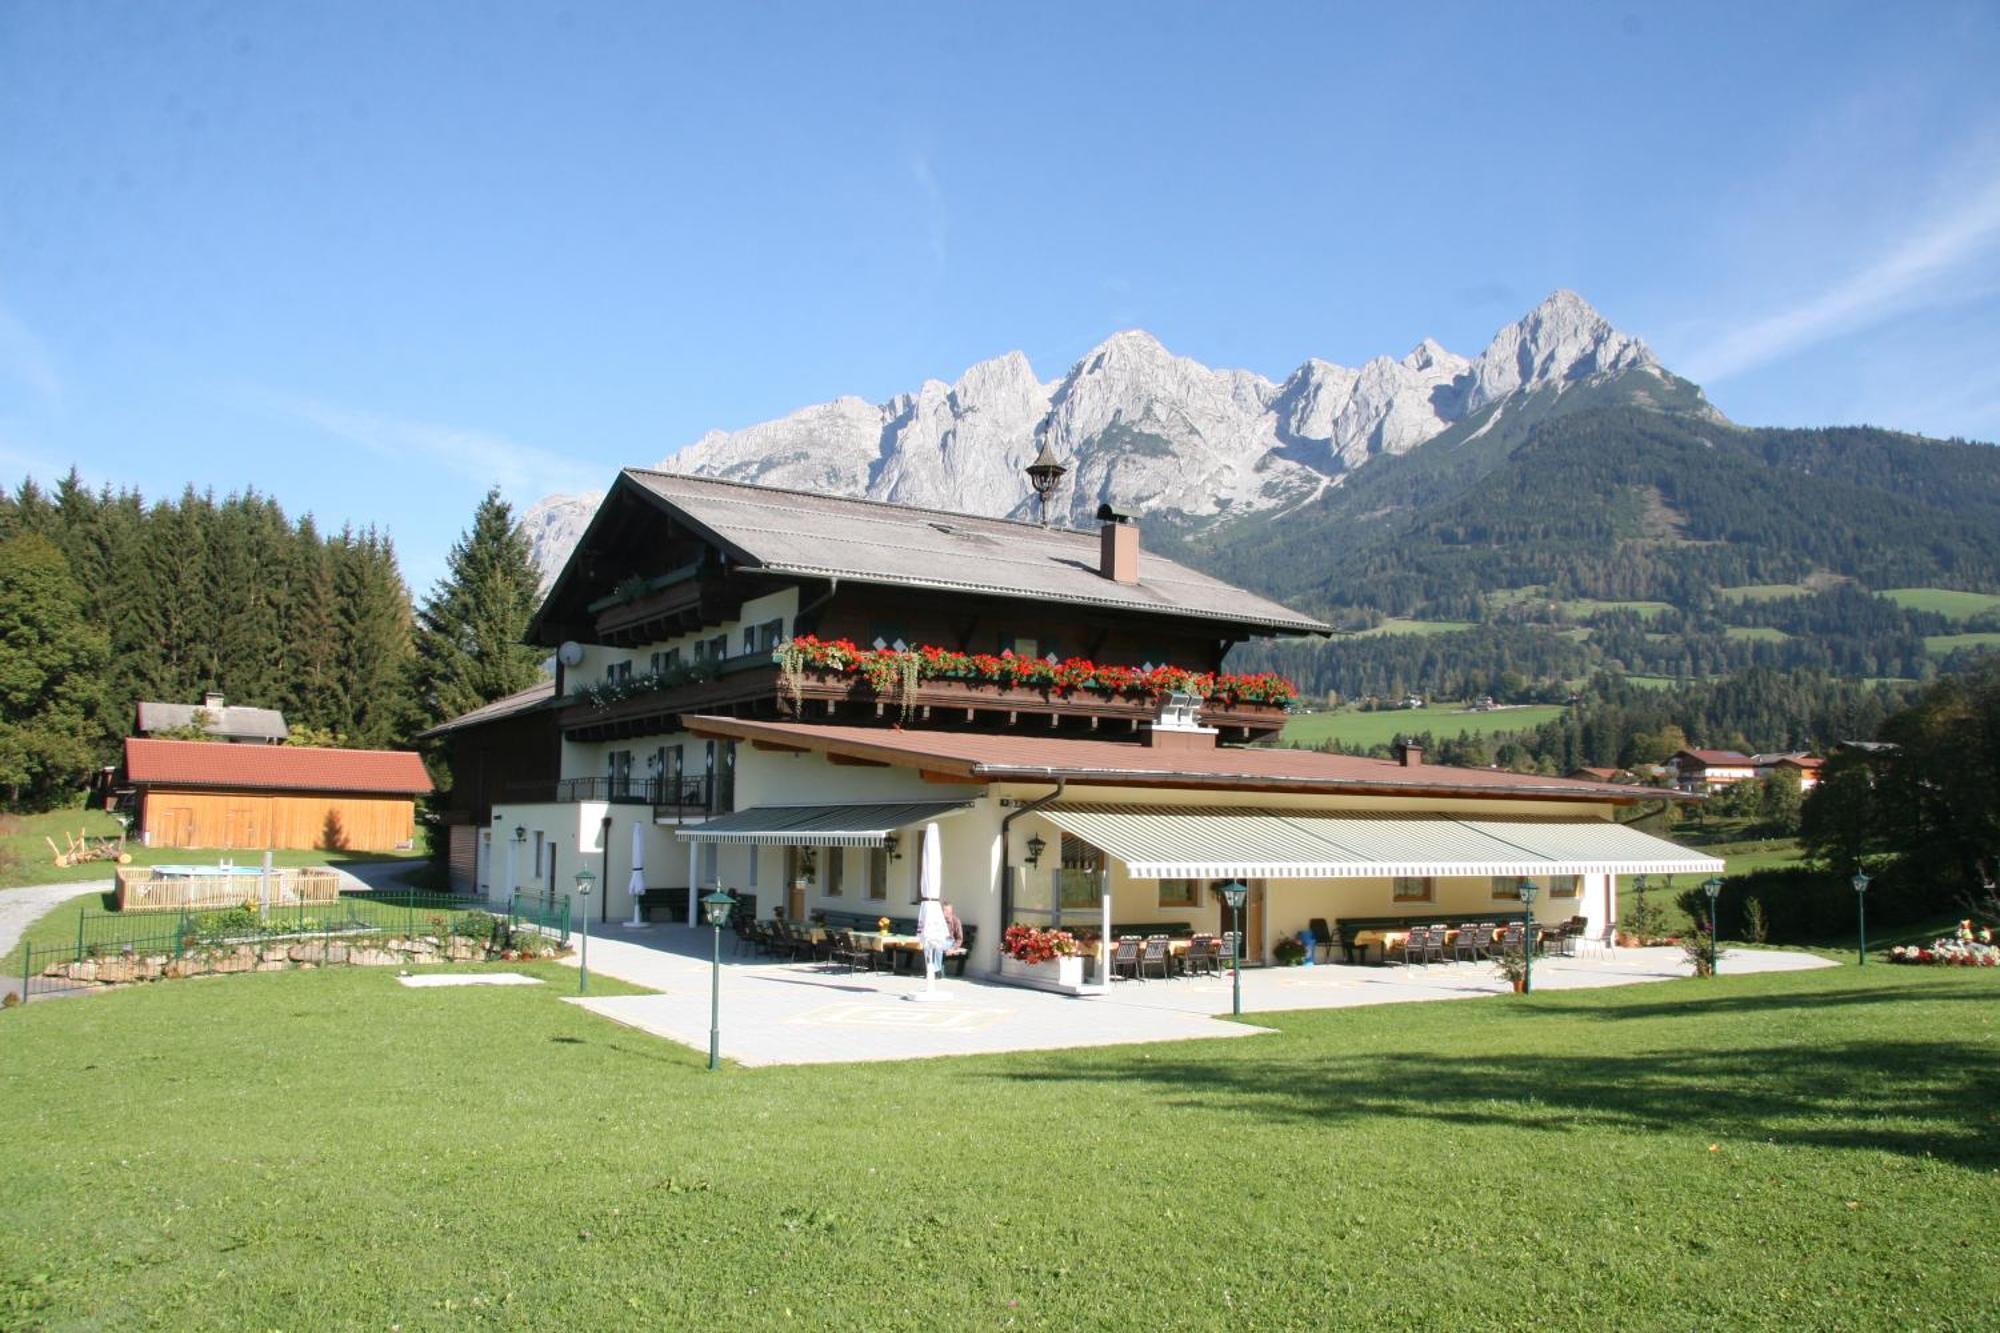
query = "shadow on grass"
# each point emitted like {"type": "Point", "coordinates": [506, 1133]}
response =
{"type": "Point", "coordinates": [1916, 1098]}
{"type": "Point", "coordinates": [1764, 1004]}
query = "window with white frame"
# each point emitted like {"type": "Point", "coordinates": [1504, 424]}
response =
{"type": "Point", "coordinates": [835, 874]}
{"type": "Point", "coordinates": [878, 873]}
{"type": "Point", "coordinates": [1564, 886]}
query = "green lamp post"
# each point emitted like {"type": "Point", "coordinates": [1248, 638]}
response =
{"type": "Point", "coordinates": [1712, 886]}
{"type": "Point", "coordinates": [715, 909]}
{"type": "Point", "coordinates": [1233, 893]}
{"type": "Point", "coordinates": [1529, 892]}
{"type": "Point", "coordinates": [584, 881]}
{"type": "Point", "coordinates": [1860, 882]}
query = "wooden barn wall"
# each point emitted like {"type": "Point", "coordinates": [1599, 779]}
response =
{"type": "Point", "coordinates": [329, 821]}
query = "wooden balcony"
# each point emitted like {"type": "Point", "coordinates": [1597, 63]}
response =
{"type": "Point", "coordinates": [993, 707]}
{"type": "Point", "coordinates": [676, 609]}
{"type": "Point", "coordinates": [755, 689]}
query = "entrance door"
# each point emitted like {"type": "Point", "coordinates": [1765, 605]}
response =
{"type": "Point", "coordinates": [176, 826]}
{"type": "Point", "coordinates": [1253, 918]}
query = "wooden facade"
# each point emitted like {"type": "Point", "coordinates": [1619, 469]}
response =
{"type": "Point", "coordinates": [255, 820]}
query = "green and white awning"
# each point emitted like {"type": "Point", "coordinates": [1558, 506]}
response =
{"type": "Point", "coordinates": [1182, 842]}
{"type": "Point", "coordinates": [817, 825]}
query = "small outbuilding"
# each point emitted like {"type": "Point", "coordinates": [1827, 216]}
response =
{"type": "Point", "coordinates": [251, 797]}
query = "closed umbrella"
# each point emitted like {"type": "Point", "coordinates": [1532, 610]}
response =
{"type": "Point", "coordinates": [637, 888]}
{"type": "Point", "coordinates": [932, 928]}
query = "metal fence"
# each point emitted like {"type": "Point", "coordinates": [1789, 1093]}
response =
{"type": "Point", "coordinates": [102, 934]}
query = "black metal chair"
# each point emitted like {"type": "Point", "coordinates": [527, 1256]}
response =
{"type": "Point", "coordinates": [1324, 936]}
{"type": "Point", "coordinates": [1155, 955]}
{"type": "Point", "coordinates": [1472, 943]}
{"type": "Point", "coordinates": [1200, 959]}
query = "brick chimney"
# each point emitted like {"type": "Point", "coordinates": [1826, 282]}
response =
{"type": "Point", "coordinates": [1118, 545]}
{"type": "Point", "coordinates": [1411, 754]}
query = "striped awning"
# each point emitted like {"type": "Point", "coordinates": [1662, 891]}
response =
{"type": "Point", "coordinates": [1181, 842]}
{"type": "Point", "coordinates": [817, 825]}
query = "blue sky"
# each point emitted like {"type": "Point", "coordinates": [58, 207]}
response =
{"type": "Point", "coordinates": [371, 258]}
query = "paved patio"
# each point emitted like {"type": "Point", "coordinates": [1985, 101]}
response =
{"type": "Point", "coordinates": [806, 1013]}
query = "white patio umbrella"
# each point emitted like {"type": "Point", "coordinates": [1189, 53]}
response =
{"type": "Point", "coordinates": [637, 888]}
{"type": "Point", "coordinates": [932, 929]}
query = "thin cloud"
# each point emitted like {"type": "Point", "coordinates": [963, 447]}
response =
{"type": "Point", "coordinates": [1912, 275]}
{"type": "Point", "coordinates": [523, 470]}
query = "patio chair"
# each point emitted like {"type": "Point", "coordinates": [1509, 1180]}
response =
{"type": "Point", "coordinates": [848, 954]}
{"type": "Point", "coordinates": [1415, 946]}
{"type": "Point", "coordinates": [1507, 940]}
{"type": "Point", "coordinates": [1472, 943]}
{"type": "Point", "coordinates": [1154, 955]}
{"type": "Point", "coordinates": [1561, 941]}
{"type": "Point", "coordinates": [1125, 957]}
{"type": "Point", "coordinates": [1200, 957]}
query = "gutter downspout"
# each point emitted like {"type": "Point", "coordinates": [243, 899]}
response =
{"type": "Point", "coordinates": [1007, 862]}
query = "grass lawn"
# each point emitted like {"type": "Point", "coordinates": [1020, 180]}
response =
{"type": "Point", "coordinates": [1757, 854]}
{"type": "Point", "coordinates": [1442, 720]}
{"type": "Point", "coordinates": [1945, 601]}
{"type": "Point", "coordinates": [1756, 633]}
{"type": "Point", "coordinates": [1583, 608]}
{"type": "Point", "coordinates": [328, 1149]}
{"type": "Point", "coordinates": [1395, 625]}
{"type": "Point", "coordinates": [25, 857]}
{"type": "Point", "coordinates": [1938, 645]}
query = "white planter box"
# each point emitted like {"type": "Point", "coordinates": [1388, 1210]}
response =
{"type": "Point", "coordinates": [1064, 975]}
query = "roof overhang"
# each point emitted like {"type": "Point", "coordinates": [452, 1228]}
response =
{"type": "Point", "coordinates": [943, 765]}
{"type": "Point", "coordinates": [818, 825]}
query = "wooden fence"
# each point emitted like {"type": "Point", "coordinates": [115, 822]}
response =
{"type": "Point", "coordinates": [139, 890]}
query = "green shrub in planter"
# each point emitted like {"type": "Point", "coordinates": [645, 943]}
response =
{"type": "Point", "coordinates": [1289, 951]}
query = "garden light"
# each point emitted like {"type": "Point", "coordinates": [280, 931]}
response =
{"type": "Point", "coordinates": [584, 881]}
{"type": "Point", "coordinates": [1712, 886]}
{"type": "Point", "coordinates": [1860, 882]}
{"type": "Point", "coordinates": [715, 908]}
{"type": "Point", "coordinates": [1233, 893]}
{"type": "Point", "coordinates": [1529, 891]}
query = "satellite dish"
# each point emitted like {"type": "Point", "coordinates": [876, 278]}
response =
{"type": "Point", "coordinates": [570, 653]}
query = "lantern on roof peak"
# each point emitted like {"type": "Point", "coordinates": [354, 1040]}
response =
{"type": "Point", "coordinates": [1045, 474]}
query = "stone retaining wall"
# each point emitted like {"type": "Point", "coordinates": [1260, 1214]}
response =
{"type": "Point", "coordinates": [120, 969]}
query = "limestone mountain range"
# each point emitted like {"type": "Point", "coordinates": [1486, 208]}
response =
{"type": "Point", "coordinates": [1143, 429]}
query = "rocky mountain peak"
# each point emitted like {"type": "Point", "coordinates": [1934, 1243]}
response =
{"type": "Point", "coordinates": [1141, 427]}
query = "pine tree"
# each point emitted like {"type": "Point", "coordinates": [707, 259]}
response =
{"type": "Point", "coordinates": [471, 633]}
{"type": "Point", "coordinates": [50, 686]}
{"type": "Point", "coordinates": [313, 697]}
{"type": "Point", "coordinates": [374, 657]}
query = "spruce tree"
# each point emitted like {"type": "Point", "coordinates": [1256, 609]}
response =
{"type": "Point", "coordinates": [51, 657]}
{"type": "Point", "coordinates": [471, 645]}
{"type": "Point", "coordinates": [374, 654]}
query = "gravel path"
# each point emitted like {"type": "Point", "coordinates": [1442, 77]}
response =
{"type": "Point", "coordinates": [21, 908]}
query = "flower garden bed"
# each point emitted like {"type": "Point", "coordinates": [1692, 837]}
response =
{"type": "Point", "coordinates": [1970, 947]}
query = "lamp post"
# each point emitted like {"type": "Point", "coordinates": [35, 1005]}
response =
{"type": "Point", "coordinates": [1233, 893]}
{"type": "Point", "coordinates": [1860, 883]}
{"type": "Point", "coordinates": [715, 908]}
{"type": "Point", "coordinates": [584, 879]}
{"type": "Point", "coordinates": [1529, 891]}
{"type": "Point", "coordinates": [1712, 886]}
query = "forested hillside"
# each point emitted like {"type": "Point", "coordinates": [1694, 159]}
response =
{"type": "Point", "coordinates": [110, 599]}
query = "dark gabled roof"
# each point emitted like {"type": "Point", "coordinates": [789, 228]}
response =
{"type": "Point", "coordinates": [533, 697]}
{"type": "Point", "coordinates": [809, 535]}
{"type": "Point", "coordinates": [273, 767]}
{"type": "Point", "coordinates": [267, 724]}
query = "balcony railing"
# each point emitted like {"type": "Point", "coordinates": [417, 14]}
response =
{"type": "Point", "coordinates": [670, 793]}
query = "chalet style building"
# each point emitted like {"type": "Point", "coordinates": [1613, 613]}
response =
{"type": "Point", "coordinates": [778, 692]}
